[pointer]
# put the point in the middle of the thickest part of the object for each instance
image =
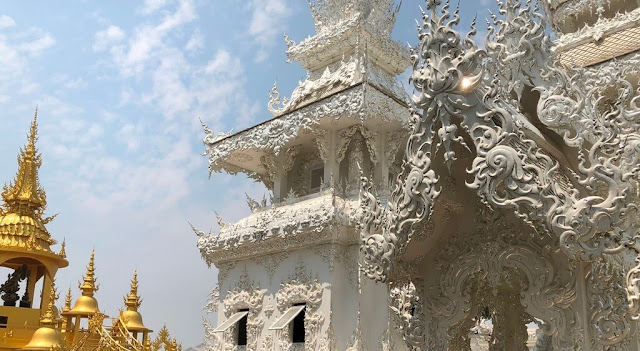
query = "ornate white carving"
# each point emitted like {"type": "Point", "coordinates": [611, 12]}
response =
{"type": "Point", "coordinates": [610, 324]}
{"type": "Point", "coordinates": [596, 31]}
{"type": "Point", "coordinates": [587, 207]}
{"type": "Point", "coordinates": [346, 135]}
{"type": "Point", "coordinates": [344, 25]}
{"type": "Point", "coordinates": [276, 133]}
{"type": "Point", "coordinates": [273, 229]}
{"type": "Point", "coordinates": [302, 288]}
{"type": "Point", "coordinates": [245, 296]}
{"type": "Point", "coordinates": [408, 308]}
{"type": "Point", "coordinates": [271, 263]}
{"type": "Point", "coordinates": [530, 181]}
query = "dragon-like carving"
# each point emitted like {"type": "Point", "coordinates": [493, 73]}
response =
{"type": "Point", "coordinates": [587, 203]}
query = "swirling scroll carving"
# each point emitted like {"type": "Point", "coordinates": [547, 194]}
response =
{"type": "Point", "coordinates": [587, 205]}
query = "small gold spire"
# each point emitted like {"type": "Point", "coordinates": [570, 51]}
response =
{"type": "Point", "coordinates": [133, 301]}
{"type": "Point", "coordinates": [88, 285]}
{"type": "Point", "coordinates": [63, 252]}
{"type": "Point", "coordinates": [24, 195]}
{"type": "Point", "coordinates": [67, 301]}
{"type": "Point", "coordinates": [49, 318]}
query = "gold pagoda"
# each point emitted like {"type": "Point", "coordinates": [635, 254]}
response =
{"type": "Point", "coordinates": [25, 250]}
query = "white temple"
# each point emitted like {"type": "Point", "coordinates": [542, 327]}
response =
{"type": "Point", "coordinates": [494, 209]}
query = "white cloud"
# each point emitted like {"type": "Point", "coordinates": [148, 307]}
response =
{"type": "Point", "coordinates": [133, 58]}
{"type": "Point", "coordinates": [223, 62]}
{"type": "Point", "coordinates": [105, 38]}
{"type": "Point", "coordinates": [268, 22]}
{"type": "Point", "coordinates": [151, 6]}
{"type": "Point", "coordinates": [196, 42]}
{"type": "Point", "coordinates": [6, 22]}
{"type": "Point", "coordinates": [37, 46]}
{"type": "Point", "coordinates": [18, 50]}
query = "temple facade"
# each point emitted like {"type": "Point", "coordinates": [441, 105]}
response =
{"type": "Point", "coordinates": [493, 209]}
{"type": "Point", "coordinates": [29, 323]}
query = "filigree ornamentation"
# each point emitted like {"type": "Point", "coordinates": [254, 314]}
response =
{"type": "Point", "coordinates": [271, 262]}
{"type": "Point", "coordinates": [213, 301]}
{"type": "Point", "coordinates": [346, 136]}
{"type": "Point", "coordinates": [274, 229]}
{"type": "Point", "coordinates": [302, 289]}
{"type": "Point", "coordinates": [246, 296]}
{"type": "Point", "coordinates": [587, 207]}
{"type": "Point", "coordinates": [408, 308]}
{"type": "Point", "coordinates": [610, 322]}
{"type": "Point", "coordinates": [277, 165]}
{"type": "Point", "coordinates": [322, 143]}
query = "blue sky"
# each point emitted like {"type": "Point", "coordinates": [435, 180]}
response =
{"type": "Point", "coordinates": [120, 86]}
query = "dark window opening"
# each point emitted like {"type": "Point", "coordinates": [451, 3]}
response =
{"type": "Point", "coordinates": [242, 329]}
{"type": "Point", "coordinates": [297, 326]}
{"type": "Point", "coordinates": [3, 321]}
{"type": "Point", "coordinates": [316, 179]}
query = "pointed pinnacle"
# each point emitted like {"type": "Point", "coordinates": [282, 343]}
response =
{"type": "Point", "coordinates": [33, 132]}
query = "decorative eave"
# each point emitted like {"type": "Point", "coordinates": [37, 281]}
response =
{"type": "Point", "coordinates": [320, 50]}
{"type": "Point", "coordinates": [606, 39]}
{"type": "Point", "coordinates": [567, 16]}
{"type": "Point", "coordinates": [362, 103]}
{"type": "Point", "coordinates": [288, 226]}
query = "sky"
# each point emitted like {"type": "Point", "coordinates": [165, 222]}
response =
{"type": "Point", "coordinates": [120, 87]}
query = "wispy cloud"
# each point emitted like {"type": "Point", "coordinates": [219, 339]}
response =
{"type": "Point", "coordinates": [133, 57]}
{"type": "Point", "coordinates": [105, 38]}
{"type": "Point", "coordinates": [268, 22]}
{"type": "Point", "coordinates": [6, 22]}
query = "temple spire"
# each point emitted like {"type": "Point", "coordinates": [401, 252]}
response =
{"type": "Point", "coordinates": [88, 285]}
{"type": "Point", "coordinates": [24, 195]}
{"type": "Point", "coordinates": [133, 301]}
{"type": "Point", "coordinates": [49, 318]}
{"type": "Point", "coordinates": [67, 301]}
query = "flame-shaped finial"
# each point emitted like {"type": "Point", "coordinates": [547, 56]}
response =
{"type": "Point", "coordinates": [63, 252]}
{"type": "Point", "coordinates": [49, 318]}
{"type": "Point", "coordinates": [88, 285]}
{"type": "Point", "coordinates": [67, 301]}
{"type": "Point", "coordinates": [133, 301]}
{"type": "Point", "coordinates": [24, 195]}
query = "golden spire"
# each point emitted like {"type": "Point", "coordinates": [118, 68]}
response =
{"type": "Point", "coordinates": [24, 195]}
{"type": "Point", "coordinates": [133, 301]}
{"type": "Point", "coordinates": [49, 318]}
{"type": "Point", "coordinates": [67, 301]}
{"type": "Point", "coordinates": [63, 252]}
{"type": "Point", "coordinates": [88, 285]}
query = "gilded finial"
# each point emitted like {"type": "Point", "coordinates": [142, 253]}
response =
{"type": "Point", "coordinates": [133, 301]}
{"type": "Point", "coordinates": [49, 318]}
{"type": "Point", "coordinates": [88, 285]}
{"type": "Point", "coordinates": [63, 252]}
{"type": "Point", "coordinates": [33, 133]}
{"type": "Point", "coordinates": [24, 195]}
{"type": "Point", "coordinates": [67, 301]}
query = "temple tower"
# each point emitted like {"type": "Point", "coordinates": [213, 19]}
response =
{"type": "Point", "coordinates": [288, 273]}
{"type": "Point", "coordinates": [131, 318]}
{"type": "Point", "coordinates": [25, 248]}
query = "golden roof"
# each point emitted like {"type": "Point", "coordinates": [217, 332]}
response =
{"type": "Point", "coordinates": [47, 337]}
{"type": "Point", "coordinates": [22, 221]}
{"type": "Point", "coordinates": [86, 304]}
{"type": "Point", "coordinates": [131, 317]}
